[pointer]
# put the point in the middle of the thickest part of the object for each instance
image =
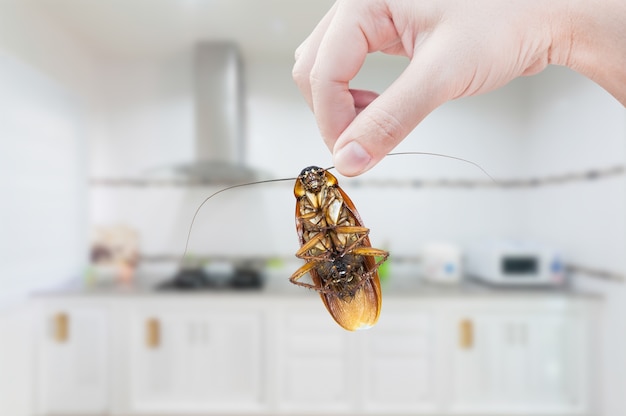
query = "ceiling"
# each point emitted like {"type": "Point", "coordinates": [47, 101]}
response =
{"type": "Point", "coordinates": [153, 28]}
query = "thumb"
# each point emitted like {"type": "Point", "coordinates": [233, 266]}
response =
{"type": "Point", "coordinates": [388, 119]}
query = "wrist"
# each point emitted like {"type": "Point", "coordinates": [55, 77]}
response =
{"type": "Point", "coordinates": [590, 38]}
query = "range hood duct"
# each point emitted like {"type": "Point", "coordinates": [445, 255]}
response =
{"type": "Point", "coordinates": [219, 116]}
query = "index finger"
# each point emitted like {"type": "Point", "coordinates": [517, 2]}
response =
{"type": "Point", "coordinates": [341, 55]}
{"type": "Point", "coordinates": [306, 54]}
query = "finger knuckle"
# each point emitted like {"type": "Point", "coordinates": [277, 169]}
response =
{"type": "Point", "coordinates": [387, 126]}
{"type": "Point", "coordinates": [315, 78]}
{"type": "Point", "coordinates": [300, 74]}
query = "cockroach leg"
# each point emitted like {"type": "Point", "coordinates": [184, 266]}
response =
{"type": "Point", "coordinates": [306, 267]}
{"type": "Point", "coordinates": [363, 231]}
{"type": "Point", "coordinates": [302, 252]}
{"type": "Point", "coordinates": [354, 229]}
{"type": "Point", "coordinates": [371, 252]}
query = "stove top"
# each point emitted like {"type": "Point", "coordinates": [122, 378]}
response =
{"type": "Point", "coordinates": [199, 279]}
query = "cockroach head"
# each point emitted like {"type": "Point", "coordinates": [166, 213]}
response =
{"type": "Point", "coordinates": [313, 178]}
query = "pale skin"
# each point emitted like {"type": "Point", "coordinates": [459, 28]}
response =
{"type": "Point", "coordinates": [456, 48]}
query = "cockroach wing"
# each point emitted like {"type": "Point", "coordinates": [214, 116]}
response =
{"type": "Point", "coordinates": [360, 312]}
{"type": "Point", "coordinates": [363, 310]}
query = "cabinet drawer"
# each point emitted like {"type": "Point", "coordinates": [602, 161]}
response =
{"type": "Point", "coordinates": [397, 343]}
{"type": "Point", "coordinates": [314, 379]}
{"type": "Point", "coordinates": [309, 321]}
{"type": "Point", "coordinates": [316, 343]}
{"type": "Point", "coordinates": [399, 380]}
{"type": "Point", "coordinates": [408, 321]}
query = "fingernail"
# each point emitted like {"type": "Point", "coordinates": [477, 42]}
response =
{"type": "Point", "coordinates": [351, 159]}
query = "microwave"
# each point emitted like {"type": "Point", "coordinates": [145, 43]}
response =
{"type": "Point", "coordinates": [515, 263]}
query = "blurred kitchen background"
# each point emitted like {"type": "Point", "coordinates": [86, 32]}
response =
{"type": "Point", "coordinates": [105, 108]}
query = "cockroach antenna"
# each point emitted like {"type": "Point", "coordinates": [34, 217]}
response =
{"type": "Point", "coordinates": [446, 156]}
{"type": "Point", "coordinates": [438, 155]}
{"type": "Point", "coordinates": [193, 219]}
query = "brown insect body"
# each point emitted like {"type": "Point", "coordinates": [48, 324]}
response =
{"type": "Point", "coordinates": [337, 250]}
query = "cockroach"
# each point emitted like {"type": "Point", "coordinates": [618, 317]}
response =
{"type": "Point", "coordinates": [335, 246]}
{"type": "Point", "coordinates": [337, 250]}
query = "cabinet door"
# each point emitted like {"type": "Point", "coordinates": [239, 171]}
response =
{"type": "Point", "coordinates": [188, 360]}
{"type": "Point", "coordinates": [471, 348]}
{"type": "Point", "coordinates": [314, 364]}
{"type": "Point", "coordinates": [74, 360]}
{"type": "Point", "coordinates": [558, 356]}
{"type": "Point", "coordinates": [518, 362]}
{"type": "Point", "coordinates": [398, 364]}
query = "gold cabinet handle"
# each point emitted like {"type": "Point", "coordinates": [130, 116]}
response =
{"type": "Point", "coordinates": [153, 333]}
{"type": "Point", "coordinates": [466, 334]}
{"type": "Point", "coordinates": [61, 327]}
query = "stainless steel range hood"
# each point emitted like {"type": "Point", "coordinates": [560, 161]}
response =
{"type": "Point", "coordinates": [219, 116]}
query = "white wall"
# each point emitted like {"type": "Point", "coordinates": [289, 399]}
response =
{"type": "Point", "coordinates": [43, 213]}
{"type": "Point", "coordinates": [42, 155]}
{"type": "Point", "coordinates": [31, 36]}
{"type": "Point", "coordinates": [577, 126]}
{"type": "Point", "coordinates": [143, 117]}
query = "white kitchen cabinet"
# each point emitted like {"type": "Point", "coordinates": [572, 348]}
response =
{"type": "Point", "coordinates": [509, 361]}
{"type": "Point", "coordinates": [195, 359]}
{"type": "Point", "coordinates": [215, 355]}
{"type": "Point", "coordinates": [389, 369]}
{"type": "Point", "coordinates": [399, 363]}
{"type": "Point", "coordinates": [73, 359]}
{"type": "Point", "coordinates": [314, 359]}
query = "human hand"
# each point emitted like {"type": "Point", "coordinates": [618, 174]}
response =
{"type": "Point", "coordinates": [456, 48]}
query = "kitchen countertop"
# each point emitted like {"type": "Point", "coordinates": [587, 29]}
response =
{"type": "Point", "coordinates": [279, 286]}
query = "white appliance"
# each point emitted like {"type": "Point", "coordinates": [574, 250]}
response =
{"type": "Point", "coordinates": [441, 263]}
{"type": "Point", "coordinates": [515, 263]}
